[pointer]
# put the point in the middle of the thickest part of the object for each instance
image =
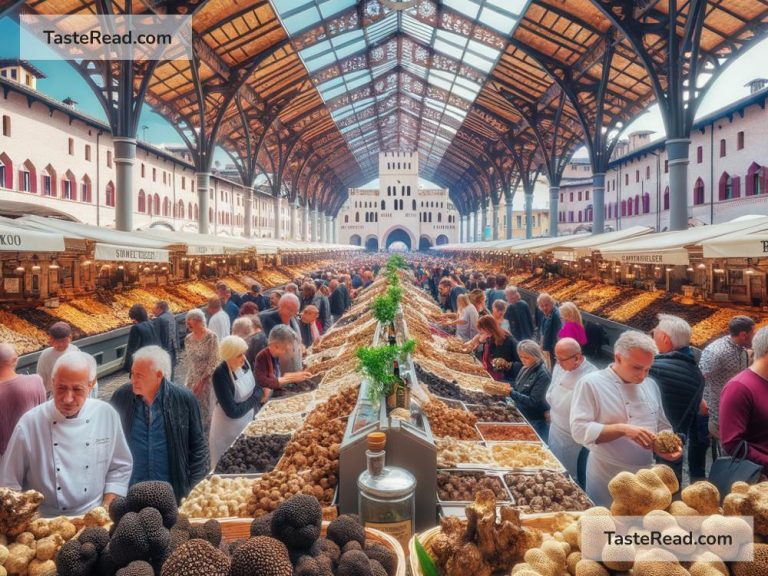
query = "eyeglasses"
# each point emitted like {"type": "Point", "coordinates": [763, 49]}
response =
{"type": "Point", "coordinates": [571, 357]}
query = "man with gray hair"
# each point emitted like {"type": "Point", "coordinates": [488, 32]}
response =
{"type": "Point", "coordinates": [59, 342]}
{"type": "Point", "coordinates": [162, 423]}
{"type": "Point", "coordinates": [71, 449]}
{"type": "Point", "coordinates": [285, 313]}
{"type": "Point", "coordinates": [681, 384]}
{"type": "Point", "coordinates": [19, 393]}
{"type": "Point", "coordinates": [744, 406]}
{"type": "Point", "coordinates": [617, 412]}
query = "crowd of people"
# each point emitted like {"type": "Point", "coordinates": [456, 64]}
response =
{"type": "Point", "coordinates": [602, 421]}
{"type": "Point", "coordinates": [183, 405]}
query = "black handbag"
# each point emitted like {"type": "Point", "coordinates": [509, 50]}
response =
{"type": "Point", "coordinates": [729, 469]}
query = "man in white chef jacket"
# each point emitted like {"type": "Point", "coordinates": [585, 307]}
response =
{"type": "Point", "coordinates": [571, 366]}
{"type": "Point", "coordinates": [71, 448]}
{"type": "Point", "coordinates": [617, 412]}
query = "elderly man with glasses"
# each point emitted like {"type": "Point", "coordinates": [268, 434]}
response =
{"type": "Point", "coordinates": [71, 449]}
{"type": "Point", "coordinates": [571, 366]}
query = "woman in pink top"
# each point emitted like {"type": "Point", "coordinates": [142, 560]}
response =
{"type": "Point", "coordinates": [573, 327]}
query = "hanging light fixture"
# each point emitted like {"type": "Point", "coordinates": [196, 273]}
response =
{"type": "Point", "coordinates": [701, 266]}
{"type": "Point", "coordinates": [35, 263]}
{"type": "Point", "coordinates": [54, 265]}
{"type": "Point", "coordinates": [20, 269]}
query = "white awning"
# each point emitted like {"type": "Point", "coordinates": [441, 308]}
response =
{"type": "Point", "coordinates": [739, 245]}
{"type": "Point", "coordinates": [672, 247]}
{"type": "Point", "coordinates": [16, 239]}
{"type": "Point", "coordinates": [113, 253]}
{"type": "Point", "coordinates": [570, 250]}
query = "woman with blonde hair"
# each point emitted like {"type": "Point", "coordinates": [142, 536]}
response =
{"type": "Point", "coordinates": [573, 327]}
{"type": "Point", "coordinates": [466, 324]}
{"type": "Point", "coordinates": [236, 395]}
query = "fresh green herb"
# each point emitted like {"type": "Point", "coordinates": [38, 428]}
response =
{"type": "Point", "coordinates": [426, 563]}
{"type": "Point", "coordinates": [377, 364]}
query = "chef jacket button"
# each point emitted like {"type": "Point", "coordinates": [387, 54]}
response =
{"type": "Point", "coordinates": [85, 490]}
{"type": "Point", "coordinates": [55, 443]}
{"type": "Point", "coordinates": [64, 508]}
{"type": "Point", "coordinates": [54, 422]}
{"type": "Point", "coordinates": [87, 443]}
{"type": "Point", "coordinates": [58, 469]}
{"type": "Point", "coordinates": [58, 487]}
{"type": "Point", "coordinates": [86, 467]}
{"type": "Point", "coordinates": [87, 421]}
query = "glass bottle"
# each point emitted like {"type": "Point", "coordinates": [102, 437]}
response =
{"type": "Point", "coordinates": [402, 389]}
{"type": "Point", "coordinates": [386, 499]}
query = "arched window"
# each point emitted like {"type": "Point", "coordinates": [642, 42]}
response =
{"type": "Point", "coordinates": [6, 171]}
{"type": "Point", "coordinates": [190, 212]}
{"type": "Point", "coordinates": [408, 190]}
{"type": "Point", "coordinates": [197, 212]}
{"type": "Point", "coordinates": [629, 208]}
{"type": "Point", "coordinates": [366, 217]}
{"type": "Point", "coordinates": [726, 187]}
{"type": "Point", "coordinates": [698, 192]}
{"type": "Point", "coordinates": [156, 204]}
{"type": "Point", "coordinates": [142, 202]}
{"type": "Point", "coordinates": [48, 182]}
{"type": "Point", "coordinates": [413, 204]}
{"type": "Point", "coordinates": [28, 178]}
{"type": "Point", "coordinates": [637, 204]}
{"type": "Point", "coordinates": [109, 195]}
{"type": "Point", "coordinates": [383, 205]}
{"type": "Point", "coordinates": [623, 208]}
{"type": "Point", "coordinates": [69, 186]}
{"type": "Point", "coordinates": [85, 189]}
{"type": "Point", "coordinates": [166, 207]}
{"type": "Point", "coordinates": [357, 216]}
{"type": "Point", "coordinates": [346, 218]}
{"type": "Point", "coordinates": [755, 180]}
{"type": "Point", "coordinates": [646, 203]}
{"type": "Point", "coordinates": [439, 216]}
{"type": "Point", "coordinates": [179, 210]}
{"type": "Point", "coordinates": [666, 198]}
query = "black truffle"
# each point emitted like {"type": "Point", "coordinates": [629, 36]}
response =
{"type": "Point", "coordinates": [351, 545]}
{"type": "Point", "coordinates": [383, 556]}
{"type": "Point", "coordinates": [354, 563]}
{"type": "Point", "coordinates": [154, 494]}
{"type": "Point", "coordinates": [97, 536]}
{"type": "Point", "coordinates": [75, 558]}
{"type": "Point", "coordinates": [377, 569]}
{"type": "Point", "coordinates": [327, 548]}
{"type": "Point", "coordinates": [117, 508]}
{"type": "Point", "coordinates": [297, 521]}
{"type": "Point", "coordinates": [346, 528]}
{"type": "Point", "coordinates": [262, 526]}
{"type": "Point", "coordinates": [261, 555]}
{"type": "Point", "coordinates": [196, 558]}
{"type": "Point", "coordinates": [252, 454]}
{"type": "Point", "coordinates": [137, 568]}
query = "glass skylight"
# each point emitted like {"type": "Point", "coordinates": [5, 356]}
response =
{"type": "Point", "coordinates": [409, 87]}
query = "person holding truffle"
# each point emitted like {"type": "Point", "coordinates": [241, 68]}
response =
{"type": "Point", "coordinates": [236, 395]}
{"type": "Point", "coordinates": [617, 412]}
{"type": "Point", "coordinates": [530, 388]}
{"type": "Point", "coordinates": [267, 369]}
{"type": "Point", "coordinates": [72, 448]}
{"type": "Point", "coordinates": [499, 356]}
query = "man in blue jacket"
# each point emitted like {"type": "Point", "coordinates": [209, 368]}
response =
{"type": "Point", "coordinates": [162, 424]}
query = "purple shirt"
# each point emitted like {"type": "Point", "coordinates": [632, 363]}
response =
{"type": "Point", "coordinates": [575, 331]}
{"type": "Point", "coordinates": [743, 414]}
{"type": "Point", "coordinates": [17, 396]}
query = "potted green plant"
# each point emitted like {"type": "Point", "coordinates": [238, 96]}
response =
{"type": "Point", "coordinates": [377, 364]}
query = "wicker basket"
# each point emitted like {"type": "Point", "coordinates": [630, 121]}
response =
{"type": "Point", "coordinates": [237, 528]}
{"type": "Point", "coordinates": [546, 522]}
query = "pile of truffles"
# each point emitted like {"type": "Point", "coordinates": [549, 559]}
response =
{"type": "Point", "coordinates": [546, 491]}
{"type": "Point", "coordinates": [252, 454]}
{"type": "Point", "coordinates": [451, 422]}
{"type": "Point", "coordinates": [218, 497]}
{"type": "Point", "coordinates": [451, 452]}
{"type": "Point", "coordinates": [442, 387]}
{"type": "Point", "coordinates": [483, 543]}
{"type": "Point", "coordinates": [524, 455]}
{"type": "Point", "coordinates": [271, 489]}
{"type": "Point", "coordinates": [337, 406]}
{"type": "Point", "coordinates": [497, 412]}
{"type": "Point", "coordinates": [277, 425]}
{"type": "Point", "coordinates": [508, 432]}
{"type": "Point", "coordinates": [461, 486]}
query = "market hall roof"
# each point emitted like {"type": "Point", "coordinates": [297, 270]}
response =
{"type": "Point", "coordinates": [307, 92]}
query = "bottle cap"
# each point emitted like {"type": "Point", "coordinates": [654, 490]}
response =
{"type": "Point", "coordinates": [377, 441]}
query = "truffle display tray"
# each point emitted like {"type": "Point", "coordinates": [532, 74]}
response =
{"type": "Point", "coordinates": [549, 522]}
{"type": "Point", "coordinates": [532, 469]}
{"type": "Point", "coordinates": [520, 425]}
{"type": "Point", "coordinates": [238, 528]}
{"type": "Point", "coordinates": [508, 500]}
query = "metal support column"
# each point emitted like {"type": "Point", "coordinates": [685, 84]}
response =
{"type": "Point", "coordinates": [278, 228]}
{"type": "Point", "coordinates": [125, 155]}
{"type": "Point", "coordinates": [677, 155]}
{"type": "Point", "coordinates": [292, 227]}
{"type": "Point", "coordinates": [478, 218]}
{"type": "Point", "coordinates": [508, 210]}
{"type": "Point", "coordinates": [495, 222]}
{"type": "Point", "coordinates": [461, 228]}
{"type": "Point", "coordinates": [483, 221]}
{"type": "Point", "coordinates": [598, 203]}
{"type": "Point", "coordinates": [203, 184]}
{"type": "Point", "coordinates": [528, 216]}
{"type": "Point", "coordinates": [248, 203]}
{"type": "Point", "coordinates": [554, 197]}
